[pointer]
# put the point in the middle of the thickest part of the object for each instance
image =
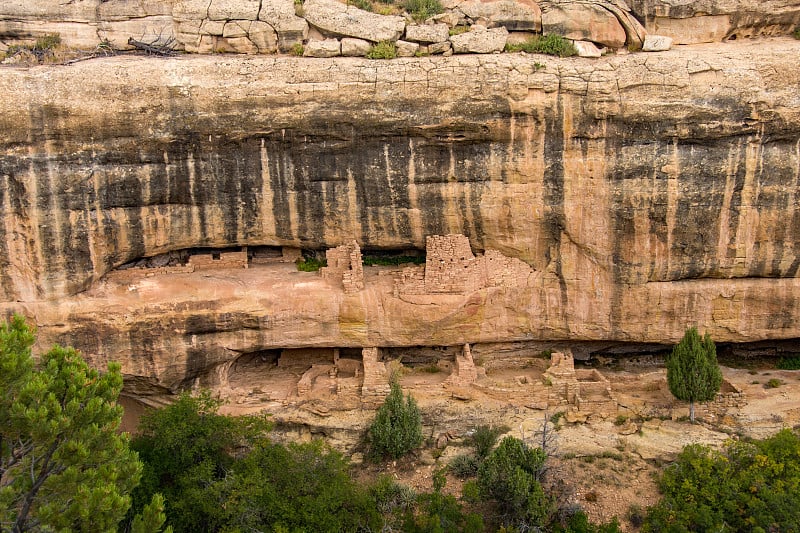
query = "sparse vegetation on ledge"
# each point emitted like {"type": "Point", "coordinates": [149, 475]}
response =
{"type": "Point", "coordinates": [370, 260]}
{"type": "Point", "coordinates": [552, 44]}
{"type": "Point", "coordinates": [310, 264]}
{"type": "Point", "coordinates": [421, 10]}
{"type": "Point", "coordinates": [789, 363]}
{"type": "Point", "coordinates": [383, 50]}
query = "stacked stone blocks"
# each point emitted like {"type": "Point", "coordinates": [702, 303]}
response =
{"type": "Point", "coordinates": [345, 264]}
{"type": "Point", "coordinates": [452, 268]}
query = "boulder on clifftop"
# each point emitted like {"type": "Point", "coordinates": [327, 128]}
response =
{"type": "Point", "coordinates": [480, 41]}
{"type": "Point", "coordinates": [606, 22]}
{"type": "Point", "coordinates": [340, 19]}
{"type": "Point", "coordinates": [427, 33]}
{"type": "Point", "coordinates": [514, 15]}
{"type": "Point", "coordinates": [583, 22]}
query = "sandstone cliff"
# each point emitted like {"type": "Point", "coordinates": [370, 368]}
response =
{"type": "Point", "coordinates": [645, 192]}
{"type": "Point", "coordinates": [267, 26]}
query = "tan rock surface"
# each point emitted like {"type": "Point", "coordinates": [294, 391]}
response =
{"type": "Point", "coordinates": [644, 192]}
{"type": "Point", "coordinates": [583, 21]}
{"type": "Point", "coordinates": [717, 20]}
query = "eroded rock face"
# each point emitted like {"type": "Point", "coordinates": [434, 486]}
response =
{"type": "Point", "coordinates": [717, 20]}
{"type": "Point", "coordinates": [269, 26]}
{"type": "Point", "coordinates": [644, 192]}
{"type": "Point", "coordinates": [514, 15]}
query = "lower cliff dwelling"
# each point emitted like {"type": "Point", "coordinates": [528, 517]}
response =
{"type": "Point", "coordinates": [318, 382]}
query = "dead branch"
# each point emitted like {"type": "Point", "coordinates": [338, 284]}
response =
{"type": "Point", "coordinates": [166, 48]}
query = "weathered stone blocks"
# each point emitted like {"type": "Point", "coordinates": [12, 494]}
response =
{"type": "Point", "coordinates": [349, 21]}
{"type": "Point", "coordinates": [480, 41]}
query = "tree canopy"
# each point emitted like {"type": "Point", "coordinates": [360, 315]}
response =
{"type": "Point", "coordinates": [63, 464]}
{"type": "Point", "coordinates": [693, 374]}
{"type": "Point", "coordinates": [223, 473]}
{"type": "Point", "coordinates": [511, 476]}
{"type": "Point", "coordinates": [749, 486]}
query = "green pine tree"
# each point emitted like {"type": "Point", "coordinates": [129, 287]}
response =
{"type": "Point", "coordinates": [63, 464]}
{"type": "Point", "coordinates": [693, 374]}
{"type": "Point", "coordinates": [397, 428]}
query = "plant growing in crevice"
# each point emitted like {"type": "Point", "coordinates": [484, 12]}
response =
{"type": "Point", "coordinates": [382, 50]}
{"type": "Point", "coordinates": [423, 9]}
{"type": "Point", "coordinates": [364, 5]}
{"type": "Point", "coordinates": [551, 44]}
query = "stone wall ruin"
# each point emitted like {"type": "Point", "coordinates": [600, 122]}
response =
{"type": "Point", "coordinates": [584, 390]}
{"type": "Point", "coordinates": [345, 264]}
{"type": "Point", "coordinates": [452, 268]}
{"type": "Point", "coordinates": [188, 261]}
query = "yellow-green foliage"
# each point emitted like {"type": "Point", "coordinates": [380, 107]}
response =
{"type": "Point", "coordinates": [383, 50]}
{"type": "Point", "coordinates": [749, 486]}
{"type": "Point", "coordinates": [365, 5]}
{"type": "Point", "coordinates": [552, 44]}
{"type": "Point", "coordinates": [423, 9]}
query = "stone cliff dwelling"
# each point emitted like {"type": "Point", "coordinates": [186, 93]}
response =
{"type": "Point", "coordinates": [452, 268]}
{"type": "Point", "coordinates": [515, 237]}
{"type": "Point", "coordinates": [358, 377]}
{"type": "Point", "coordinates": [195, 259]}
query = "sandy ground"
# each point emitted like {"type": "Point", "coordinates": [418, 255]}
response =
{"type": "Point", "coordinates": [609, 467]}
{"type": "Point", "coordinates": [607, 463]}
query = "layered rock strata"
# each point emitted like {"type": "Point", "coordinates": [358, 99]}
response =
{"type": "Point", "coordinates": [624, 199]}
{"type": "Point", "coordinates": [717, 20]}
{"type": "Point", "coordinates": [269, 26]}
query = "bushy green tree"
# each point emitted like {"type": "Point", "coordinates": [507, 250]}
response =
{"type": "Point", "coordinates": [511, 477]}
{"type": "Point", "coordinates": [693, 374]}
{"type": "Point", "coordinates": [222, 473]}
{"type": "Point", "coordinates": [63, 464]}
{"type": "Point", "coordinates": [186, 447]}
{"type": "Point", "coordinates": [397, 428]}
{"type": "Point", "coordinates": [749, 486]}
{"type": "Point", "coordinates": [299, 487]}
{"type": "Point", "coordinates": [152, 517]}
